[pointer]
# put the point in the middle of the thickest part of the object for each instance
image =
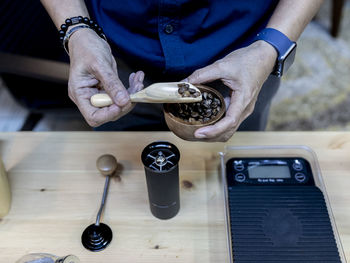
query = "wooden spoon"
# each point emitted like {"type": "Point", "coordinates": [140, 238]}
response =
{"type": "Point", "coordinates": [155, 93]}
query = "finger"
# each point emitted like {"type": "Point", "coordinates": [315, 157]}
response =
{"type": "Point", "coordinates": [96, 116]}
{"type": "Point", "coordinates": [135, 88]}
{"type": "Point", "coordinates": [222, 138]}
{"type": "Point", "coordinates": [131, 78]}
{"type": "Point", "coordinates": [206, 74]}
{"type": "Point", "coordinates": [74, 85]}
{"type": "Point", "coordinates": [138, 79]}
{"type": "Point", "coordinates": [136, 82]}
{"type": "Point", "coordinates": [230, 122]}
{"type": "Point", "coordinates": [141, 76]}
{"type": "Point", "coordinates": [113, 86]}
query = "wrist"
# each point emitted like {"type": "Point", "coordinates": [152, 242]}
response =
{"type": "Point", "coordinates": [75, 24]}
{"type": "Point", "coordinates": [267, 54]}
{"type": "Point", "coordinates": [78, 37]}
{"type": "Point", "coordinates": [283, 45]}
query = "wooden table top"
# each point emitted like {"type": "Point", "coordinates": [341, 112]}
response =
{"type": "Point", "coordinates": [56, 191]}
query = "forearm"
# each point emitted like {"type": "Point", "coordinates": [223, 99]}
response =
{"type": "Point", "coordinates": [292, 16]}
{"type": "Point", "coordinates": [60, 10]}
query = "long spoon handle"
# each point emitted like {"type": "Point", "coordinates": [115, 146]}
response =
{"type": "Point", "coordinates": [103, 201]}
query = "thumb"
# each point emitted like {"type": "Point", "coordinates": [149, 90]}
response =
{"type": "Point", "coordinates": [203, 75]}
{"type": "Point", "coordinates": [114, 87]}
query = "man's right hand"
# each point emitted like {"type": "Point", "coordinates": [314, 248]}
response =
{"type": "Point", "coordinates": [92, 65]}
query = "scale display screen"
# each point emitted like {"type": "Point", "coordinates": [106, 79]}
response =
{"type": "Point", "coordinates": [268, 171]}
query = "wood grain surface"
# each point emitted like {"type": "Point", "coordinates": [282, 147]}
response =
{"type": "Point", "coordinates": [57, 190]}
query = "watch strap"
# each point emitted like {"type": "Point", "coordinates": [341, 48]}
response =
{"type": "Point", "coordinates": [277, 39]}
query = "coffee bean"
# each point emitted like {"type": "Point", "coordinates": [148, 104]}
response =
{"type": "Point", "coordinates": [192, 91]}
{"type": "Point", "coordinates": [206, 103]}
{"type": "Point", "coordinates": [185, 91]}
{"type": "Point", "coordinates": [204, 95]}
{"type": "Point", "coordinates": [208, 113]}
{"type": "Point", "coordinates": [194, 114]}
{"type": "Point", "coordinates": [181, 90]}
{"type": "Point", "coordinates": [217, 101]}
{"type": "Point", "coordinates": [198, 112]}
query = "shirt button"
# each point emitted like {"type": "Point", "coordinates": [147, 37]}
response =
{"type": "Point", "coordinates": [169, 29]}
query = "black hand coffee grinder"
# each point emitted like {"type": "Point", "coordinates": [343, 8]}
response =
{"type": "Point", "coordinates": [160, 161]}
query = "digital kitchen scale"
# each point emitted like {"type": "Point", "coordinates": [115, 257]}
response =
{"type": "Point", "coordinates": [276, 207]}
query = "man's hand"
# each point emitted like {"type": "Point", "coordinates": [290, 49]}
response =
{"type": "Point", "coordinates": [243, 71]}
{"type": "Point", "coordinates": [93, 69]}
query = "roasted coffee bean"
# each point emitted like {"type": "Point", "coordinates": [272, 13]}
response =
{"type": "Point", "coordinates": [192, 91]}
{"type": "Point", "coordinates": [217, 101]}
{"type": "Point", "coordinates": [194, 114]}
{"type": "Point", "coordinates": [208, 113]}
{"type": "Point", "coordinates": [199, 112]}
{"type": "Point", "coordinates": [181, 90]}
{"type": "Point", "coordinates": [185, 91]}
{"type": "Point", "coordinates": [206, 103]}
{"type": "Point", "coordinates": [204, 95]}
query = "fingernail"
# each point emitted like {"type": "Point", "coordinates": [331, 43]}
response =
{"type": "Point", "coordinates": [122, 97]}
{"type": "Point", "coordinates": [200, 135]}
{"type": "Point", "coordinates": [141, 76]}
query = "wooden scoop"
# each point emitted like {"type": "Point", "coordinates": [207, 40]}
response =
{"type": "Point", "coordinates": [155, 93]}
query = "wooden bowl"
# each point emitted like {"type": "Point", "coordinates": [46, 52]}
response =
{"type": "Point", "coordinates": [184, 129]}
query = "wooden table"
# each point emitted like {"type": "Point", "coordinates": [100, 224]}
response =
{"type": "Point", "coordinates": [57, 191]}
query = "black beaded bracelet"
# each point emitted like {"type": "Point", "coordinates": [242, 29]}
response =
{"type": "Point", "coordinates": [80, 20]}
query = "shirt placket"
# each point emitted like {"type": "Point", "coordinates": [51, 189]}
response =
{"type": "Point", "coordinates": [168, 31]}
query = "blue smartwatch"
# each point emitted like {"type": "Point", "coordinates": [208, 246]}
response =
{"type": "Point", "coordinates": [284, 46]}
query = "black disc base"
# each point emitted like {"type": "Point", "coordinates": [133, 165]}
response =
{"type": "Point", "coordinates": [96, 238]}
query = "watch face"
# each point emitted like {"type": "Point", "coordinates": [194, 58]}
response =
{"type": "Point", "coordinates": [285, 61]}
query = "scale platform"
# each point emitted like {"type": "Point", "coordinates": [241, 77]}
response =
{"type": "Point", "coordinates": [277, 209]}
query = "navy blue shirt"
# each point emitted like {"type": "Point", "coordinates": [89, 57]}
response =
{"type": "Point", "coordinates": [177, 36]}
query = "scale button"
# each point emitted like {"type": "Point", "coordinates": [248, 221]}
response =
{"type": "Point", "coordinates": [240, 177]}
{"type": "Point", "coordinates": [297, 165]}
{"type": "Point", "coordinates": [300, 177]}
{"type": "Point", "coordinates": [238, 166]}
